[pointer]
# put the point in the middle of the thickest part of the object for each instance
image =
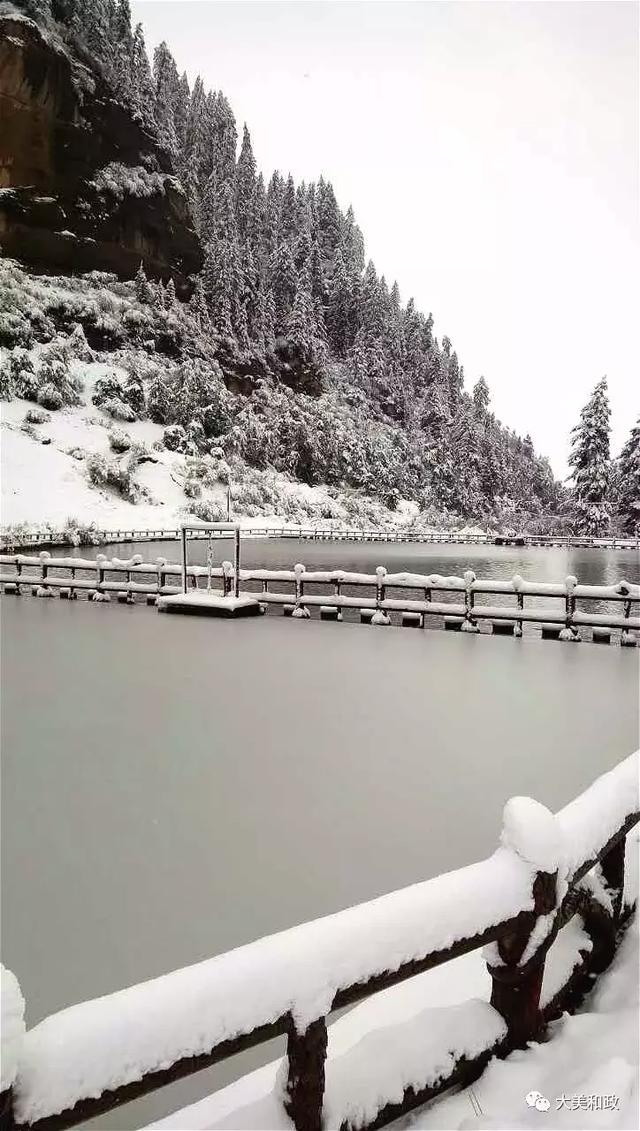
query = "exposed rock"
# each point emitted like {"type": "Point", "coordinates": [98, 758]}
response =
{"type": "Point", "coordinates": [60, 129]}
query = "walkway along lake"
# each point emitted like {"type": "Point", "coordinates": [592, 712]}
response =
{"type": "Point", "coordinates": [173, 788]}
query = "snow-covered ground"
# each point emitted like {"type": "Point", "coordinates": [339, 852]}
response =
{"type": "Point", "coordinates": [45, 480]}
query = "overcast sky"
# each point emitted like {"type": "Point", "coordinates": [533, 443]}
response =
{"type": "Point", "coordinates": [491, 154]}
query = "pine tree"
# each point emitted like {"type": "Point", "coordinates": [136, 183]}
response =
{"type": "Point", "coordinates": [589, 461]}
{"type": "Point", "coordinates": [160, 401]}
{"type": "Point", "coordinates": [629, 482]}
{"type": "Point", "coordinates": [283, 279]}
{"type": "Point", "coordinates": [142, 88]}
{"type": "Point", "coordinates": [481, 395]}
{"type": "Point", "coordinates": [144, 290]}
{"type": "Point", "coordinates": [170, 295]}
{"type": "Point", "coordinates": [245, 184]}
{"type": "Point", "coordinates": [167, 86]}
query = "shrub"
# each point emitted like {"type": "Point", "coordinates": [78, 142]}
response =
{"type": "Point", "coordinates": [78, 534]}
{"type": "Point", "coordinates": [6, 383]}
{"type": "Point", "coordinates": [54, 371]}
{"type": "Point", "coordinates": [36, 416]}
{"type": "Point", "coordinates": [207, 510]}
{"type": "Point", "coordinates": [175, 438]}
{"type": "Point", "coordinates": [106, 388]}
{"type": "Point", "coordinates": [50, 397]}
{"type": "Point", "coordinates": [118, 409]}
{"type": "Point", "coordinates": [29, 430]}
{"type": "Point", "coordinates": [192, 489]}
{"type": "Point", "coordinates": [17, 377]}
{"type": "Point", "coordinates": [160, 401]}
{"type": "Point", "coordinates": [119, 441]}
{"type": "Point", "coordinates": [109, 473]}
{"type": "Point", "coordinates": [77, 344]}
{"type": "Point", "coordinates": [134, 396]}
{"type": "Point", "coordinates": [15, 330]}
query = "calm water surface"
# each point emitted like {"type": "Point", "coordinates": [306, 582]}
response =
{"type": "Point", "coordinates": [590, 566]}
{"type": "Point", "coordinates": [175, 787]}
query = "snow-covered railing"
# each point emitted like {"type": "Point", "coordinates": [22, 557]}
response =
{"type": "Point", "coordinates": [16, 539]}
{"type": "Point", "coordinates": [93, 1057]}
{"type": "Point", "coordinates": [413, 596]}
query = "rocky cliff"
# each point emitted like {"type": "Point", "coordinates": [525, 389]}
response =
{"type": "Point", "coordinates": [82, 185]}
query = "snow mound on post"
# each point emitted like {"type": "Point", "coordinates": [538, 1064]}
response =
{"type": "Point", "coordinates": [11, 1027]}
{"type": "Point", "coordinates": [529, 830]}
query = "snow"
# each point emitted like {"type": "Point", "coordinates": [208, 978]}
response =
{"type": "Point", "coordinates": [415, 1053]}
{"type": "Point", "coordinates": [587, 823]}
{"type": "Point", "coordinates": [254, 1100]}
{"type": "Point", "coordinates": [529, 829]}
{"type": "Point", "coordinates": [123, 180]}
{"type": "Point", "coordinates": [12, 1027]}
{"type": "Point", "coordinates": [207, 601]}
{"type": "Point", "coordinates": [102, 1044]}
{"type": "Point", "coordinates": [593, 1053]}
{"type": "Point", "coordinates": [113, 1040]}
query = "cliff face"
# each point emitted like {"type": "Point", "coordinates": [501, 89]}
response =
{"type": "Point", "coordinates": [82, 185]}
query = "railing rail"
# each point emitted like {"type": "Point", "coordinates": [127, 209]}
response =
{"type": "Point", "coordinates": [516, 901]}
{"type": "Point", "coordinates": [381, 593]}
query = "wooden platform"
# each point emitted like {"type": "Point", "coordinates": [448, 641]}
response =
{"type": "Point", "coordinates": [210, 605]}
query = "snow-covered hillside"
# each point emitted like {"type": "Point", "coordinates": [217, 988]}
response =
{"type": "Point", "coordinates": [118, 409]}
{"type": "Point", "coordinates": [75, 449]}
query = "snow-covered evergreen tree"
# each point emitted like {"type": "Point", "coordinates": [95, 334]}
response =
{"type": "Point", "coordinates": [628, 487]}
{"type": "Point", "coordinates": [589, 460]}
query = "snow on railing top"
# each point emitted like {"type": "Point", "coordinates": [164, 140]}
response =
{"type": "Point", "coordinates": [621, 590]}
{"type": "Point", "coordinates": [100, 1045]}
{"type": "Point", "coordinates": [588, 822]}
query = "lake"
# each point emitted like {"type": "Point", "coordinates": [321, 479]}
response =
{"type": "Point", "coordinates": [173, 787]}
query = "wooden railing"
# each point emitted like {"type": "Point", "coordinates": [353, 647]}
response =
{"type": "Point", "coordinates": [412, 597]}
{"type": "Point", "coordinates": [12, 540]}
{"type": "Point", "coordinates": [94, 1057]}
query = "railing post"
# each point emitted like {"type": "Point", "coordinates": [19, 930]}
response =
{"type": "Point", "coordinates": [516, 974]}
{"type": "Point", "coordinates": [470, 625]}
{"type": "Point", "coordinates": [613, 875]}
{"type": "Point", "coordinates": [306, 1053]}
{"type": "Point", "coordinates": [515, 990]}
{"type": "Point", "coordinates": [300, 611]}
{"type": "Point", "coordinates": [227, 572]}
{"type": "Point", "coordinates": [99, 571]}
{"type": "Point", "coordinates": [7, 1122]}
{"type": "Point", "coordinates": [570, 632]}
{"type": "Point", "coordinates": [380, 616]}
{"type": "Point", "coordinates": [45, 557]}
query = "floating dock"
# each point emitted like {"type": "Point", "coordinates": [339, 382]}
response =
{"type": "Point", "coordinates": [199, 604]}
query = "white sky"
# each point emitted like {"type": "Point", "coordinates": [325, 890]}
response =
{"type": "Point", "coordinates": [491, 154]}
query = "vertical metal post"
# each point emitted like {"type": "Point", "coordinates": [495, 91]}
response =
{"type": "Point", "coordinates": [237, 562]}
{"type": "Point", "coordinates": [184, 559]}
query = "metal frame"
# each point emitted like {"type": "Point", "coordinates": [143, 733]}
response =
{"type": "Point", "coordinates": [205, 526]}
